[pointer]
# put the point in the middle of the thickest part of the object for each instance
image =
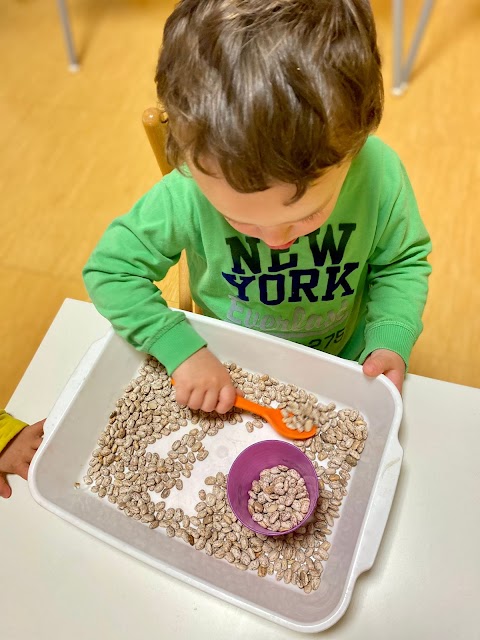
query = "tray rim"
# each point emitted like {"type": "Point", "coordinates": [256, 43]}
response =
{"type": "Point", "coordinates": [365, 549]}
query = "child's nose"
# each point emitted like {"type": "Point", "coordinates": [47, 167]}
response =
{"type": "Point", "coordinates": [276, 236]}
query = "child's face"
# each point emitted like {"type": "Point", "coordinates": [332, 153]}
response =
{"type": "Point", "coordinates": [267, 214]}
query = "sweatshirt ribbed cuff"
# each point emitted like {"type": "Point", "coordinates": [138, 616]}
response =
{"type": "Point", "coordinates": [176, 345]}
{"type": "Point", "coordinates": [391, 335]}
{"type": "Point", "coordinates": [9, 428]}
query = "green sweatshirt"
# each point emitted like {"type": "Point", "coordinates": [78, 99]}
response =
{"type": "Point", "coordinates": [356, 284]}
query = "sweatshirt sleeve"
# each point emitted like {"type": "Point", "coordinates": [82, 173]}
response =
{"type": "Point", "coordinates": [136, 251]}
{"type": "Point", "coordinates": [9, 427]}
{"type": "Point", "coordinates": [398, 268]}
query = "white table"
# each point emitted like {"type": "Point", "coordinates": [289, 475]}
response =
{"type": "Point", "coordinates": [58, 582]}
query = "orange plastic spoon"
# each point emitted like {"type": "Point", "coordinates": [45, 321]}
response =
{"type": "Point", "coordinates": [275, 418]}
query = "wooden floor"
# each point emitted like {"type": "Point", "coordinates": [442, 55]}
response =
{"type": "Point", "coordinates": [73, 156]}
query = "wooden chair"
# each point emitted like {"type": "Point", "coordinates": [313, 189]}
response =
{"type": "Point", "coordinates": [154, 122]}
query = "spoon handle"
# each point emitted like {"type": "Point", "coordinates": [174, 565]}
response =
{"type": "Point", "coordinates": [248, 405]}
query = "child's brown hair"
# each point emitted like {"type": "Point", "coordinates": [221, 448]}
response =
{"type": "Point", "coordinates": [270, 90]}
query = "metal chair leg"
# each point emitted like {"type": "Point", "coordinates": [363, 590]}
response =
{"type": "Point", "coordinates": [401, 70]}
{"type": "Point", "coordinates": [67, 34]}
{"type": "Point", "coordinates": [417, 38]}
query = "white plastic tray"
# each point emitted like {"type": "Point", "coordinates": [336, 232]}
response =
{"type": "Point", "coordinates": [82, 411]}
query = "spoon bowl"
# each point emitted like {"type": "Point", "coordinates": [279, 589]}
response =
{"type": "Point", "coordinates": [274, 418]}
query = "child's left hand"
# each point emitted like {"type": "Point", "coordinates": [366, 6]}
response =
{"type": "Point", "coordinates": [387, 362]}
{"type": "Point", "coordinates": [18, 454]}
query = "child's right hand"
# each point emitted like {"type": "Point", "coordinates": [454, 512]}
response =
{"type": "Point", "coordinates": [202, 382]}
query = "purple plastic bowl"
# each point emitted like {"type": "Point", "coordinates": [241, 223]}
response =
{"type": "Point", "coordinates": [246, 468]}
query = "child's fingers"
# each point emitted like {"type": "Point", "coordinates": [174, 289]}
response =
{"type": "Point", "coordinates": [182, 396]}
{"type": "Point", "coordinates": [37, 428]}
{"type": "Point", "coordinates": [28, 457]}
{"type": "Point", "coordinates": [397, 378]}
{"type": "Point", "coordinates": [5, 491]}
{"type": "Point", "coordinates": [388, 363]}
{"type": "Point", "coordinates": [195, 400]}
{"type": "Point", "coordinates": [226, 399]}
{"type": "Point", "coordinates": [22, 470]}
{"type": "Point", "coordinates": [373, 366]}
{"type": "Point", "coordinates": [210, 400]}
{"type": "Point", "coordinates": [36, 443]}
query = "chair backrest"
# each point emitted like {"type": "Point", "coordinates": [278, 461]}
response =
{"type": "Point", "coordinates": [154, 123]}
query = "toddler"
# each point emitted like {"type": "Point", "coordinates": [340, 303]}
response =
{"type": "Point", "coordinates": [296, 221]}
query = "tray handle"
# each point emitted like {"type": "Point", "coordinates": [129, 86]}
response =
{"type": "Point", "coordinates": [379, 510]}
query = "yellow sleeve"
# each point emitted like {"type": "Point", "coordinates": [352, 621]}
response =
{"type": "Point", "coordinates": [9, 427]}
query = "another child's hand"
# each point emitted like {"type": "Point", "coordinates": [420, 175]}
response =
{"type": "Point", "coordinates": [18, 454]}
{"type": "Point", "coordinates": [202, 382]}
{"type": "Point", "coordinates": [387, 362]}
